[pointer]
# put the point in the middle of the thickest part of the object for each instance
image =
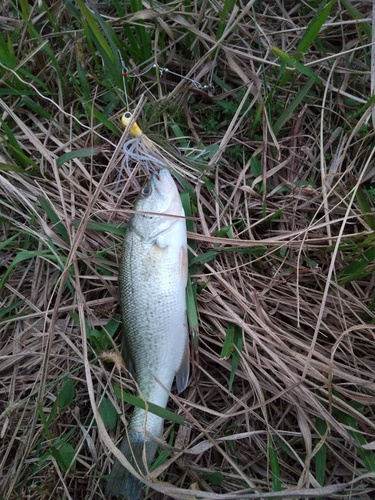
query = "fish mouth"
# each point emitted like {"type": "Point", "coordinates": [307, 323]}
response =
{"type": "Point", "coordinates": [162, 175]}
{"type": "Point", "coordinates": [163, 182]}
{"type": "Point", "coordinates": [167, 189]}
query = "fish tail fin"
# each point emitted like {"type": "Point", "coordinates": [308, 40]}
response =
{"type": "Point", "coordinates": [121, 481]}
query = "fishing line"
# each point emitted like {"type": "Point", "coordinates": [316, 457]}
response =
{"type": "Point", "coordinates": [163, 70]}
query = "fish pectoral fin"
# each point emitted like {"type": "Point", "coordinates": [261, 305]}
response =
{"type": "Point", "coordinates": [161, 242]}
{"type": "Point", "coordinates": [182, 374]}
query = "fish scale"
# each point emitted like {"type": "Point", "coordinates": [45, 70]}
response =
{"type": "Point", "coordinates": [153, 275]}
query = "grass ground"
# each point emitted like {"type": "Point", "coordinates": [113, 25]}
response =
{"type": "Point", "coordinates": [274, 106]}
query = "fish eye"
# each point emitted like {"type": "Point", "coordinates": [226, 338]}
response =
{"type": "Point", "coordinates": [146, 191]}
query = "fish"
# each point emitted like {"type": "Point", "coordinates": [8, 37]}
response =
{"type": "Point", "coordinates": [152, 277]}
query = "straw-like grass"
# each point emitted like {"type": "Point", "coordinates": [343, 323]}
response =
{"type": "Point", "coordinates": [281, 231]}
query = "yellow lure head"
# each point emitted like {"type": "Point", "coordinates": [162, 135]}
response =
{"type": "Point", "coordinates": [126, 118]}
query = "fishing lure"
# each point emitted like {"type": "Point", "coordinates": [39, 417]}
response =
{"type": "Point", "coordinates": [151, 156]}
{"type": "Point", "coordinates": [140, 149]}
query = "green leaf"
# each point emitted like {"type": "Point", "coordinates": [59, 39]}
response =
{"type": "Point", "coordinates": [108, 413]}
{"type": "Point", "coordinates": [361, 111]}
{"type": "Point", "coordinates": [214, 478]}
{"type": "Point", "coordinates": [66, 394]}
{"type": "Point", "coordinates": [186, 204]}
{"type": "Point", "coordinates": [64, 456]}
{"type": "Point", "coordinates": [112, 326]}
{"type": "Point", "coordinates": [143, 35]}
{"type": "Point", "coordinates": [183, 141]}
{"type": "Point", "coordinates": [35, 108]}
{"type": "Point", "coordinates": [256, 166]}
{"type": "Point", "coordinates": [45, 422]}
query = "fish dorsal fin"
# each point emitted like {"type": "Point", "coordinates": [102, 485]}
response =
{"type": "Point", "coordinates": [182, 375]}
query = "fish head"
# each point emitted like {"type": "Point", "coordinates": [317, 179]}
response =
{"type": "Point", "coordinates": [158, 197]}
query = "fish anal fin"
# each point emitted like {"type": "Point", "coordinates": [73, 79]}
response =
{"type": "Point", "coordinates": [182, 374]}
{"type": "Point", "coordinates": [125, 351]}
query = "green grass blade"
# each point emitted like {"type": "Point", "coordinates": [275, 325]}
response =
{"type": "Point", "coordinates": [236, 356]}
{"type": "Point", "coordinates": [361, 265]}
{"type": "Point", "coordinates": [292, 62]}
{"type": "Point", "coordinates": [367, 456]}
{"type": "Point", "coordinates": [14, 146]}
{"type": "Point", "coordinates": [102, 227]}
{"type": "Point", "coordinates": [358, 16]}
{"type": "Point", "coordinates": [152, 408]}
{"type": "Point", "coordinates": [365, 207]}
{"type": "Point", "coordinates": [6, 167]}
{"type": "Point", "coordinates": [4, 311]}
{"type": "Point", "coordinates": [78, 153]}
{"type": "Point", "coordinates": [92, 22]}
{"type": "Point", "coordinates": [315, 26]}
{"type": "Point", "coordinates": [226, 8]}
{"type": "Point", "coordinates": [144, 38]}
{"type": "Point", "coordinates": [321, 454]}
{"type": "Point", "coordinates": [310, 35]}
{"type": "Point", "coordinates": [21, 256]}
{"type": "Point", "coordinates": [227, 348]}
{"type": "Point", "coordinates": [275, 468]}
{"type": "Point", "coordinates": [55, 219]}
{"type": "Point", "coordinates": [293, 105]}
{"type": "Point", "coordinates": [104, 121]}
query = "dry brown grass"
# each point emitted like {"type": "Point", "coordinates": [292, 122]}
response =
{"type": "Point", "coordinates": [307, 362]}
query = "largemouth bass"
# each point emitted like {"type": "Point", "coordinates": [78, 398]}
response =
{"type": "Point", "coordinates": [153, 276]}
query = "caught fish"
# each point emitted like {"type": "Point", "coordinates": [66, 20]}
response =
{"type": "Point", "coordinates": [153, 276]}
